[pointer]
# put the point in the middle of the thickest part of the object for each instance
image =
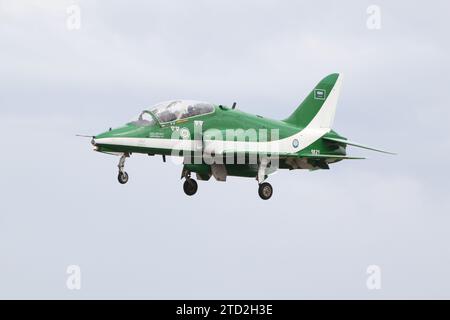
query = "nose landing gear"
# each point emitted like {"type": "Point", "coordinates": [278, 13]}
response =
{"type": "Point", "coordinates": [123, 176]}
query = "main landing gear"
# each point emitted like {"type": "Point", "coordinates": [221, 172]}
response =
{"type": "Point", "coordinates": [265, 190]}
{"type": "Point", "coordinates": [190, 186]}
{"type": "Point", "coordinates": [123, 176]}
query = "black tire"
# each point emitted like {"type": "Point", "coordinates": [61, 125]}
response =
{"type": "Point", "coordinates": [190, 187]}
{"type": "Point", "coordinates": [265, 191]}
{"type": "Point", "coordinates": [122, 177]}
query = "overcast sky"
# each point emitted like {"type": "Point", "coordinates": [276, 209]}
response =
{"type": "Point", "coordinates": [61, 203]}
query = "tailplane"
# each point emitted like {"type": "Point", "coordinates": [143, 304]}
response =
{"type": "Point", "coordinates": [346, 142]}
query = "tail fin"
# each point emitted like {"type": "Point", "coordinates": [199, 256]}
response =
{"type": "Point", "coordinates": [319, 107]}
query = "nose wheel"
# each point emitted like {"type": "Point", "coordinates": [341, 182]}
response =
{"type": "Point", "coordinates": [122, 177]}
{"type": "Point", "coordinates": [265, 191]}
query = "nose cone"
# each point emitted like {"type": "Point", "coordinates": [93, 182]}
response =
{"type": "Point", "coordinates": [108, 141]}
{"type": "Point", "coordinates": [122, 132]}
{"type": "Point", "coordinates": [111, 137]}
{"type": "Point", "coordinates": [102, 137]}
{"type": "Point", "coordinates": [106, 134]}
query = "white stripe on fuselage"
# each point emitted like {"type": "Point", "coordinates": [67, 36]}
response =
{"type": "Point", "coordinates": [305, 137]}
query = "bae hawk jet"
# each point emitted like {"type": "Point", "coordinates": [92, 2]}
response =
{"type": "Point", "coordinates": [220, 141]}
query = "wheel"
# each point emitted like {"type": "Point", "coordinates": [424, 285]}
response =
{"type": "Point", "coordinates": [265, 191]}
{"type": "Point", "coordinates": [190, 187]}
{"type": "Point", "coordinates": [123, 177]}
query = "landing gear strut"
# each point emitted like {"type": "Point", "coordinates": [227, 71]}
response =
{"type": "Point", "coordinates": [123, 176]}
{"type": "Point", "coordinates": [190, 186]}
{"type": "Point", "coordinates": [265, 191]}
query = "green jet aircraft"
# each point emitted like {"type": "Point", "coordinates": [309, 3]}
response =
{"type": "Point", "coordinates": [219, 141]}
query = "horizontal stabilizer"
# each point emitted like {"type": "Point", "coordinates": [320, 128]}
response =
{"type": "Point", "coordinates": [354, 144]}
{"type": "Point", "coordinates": [328, 156]}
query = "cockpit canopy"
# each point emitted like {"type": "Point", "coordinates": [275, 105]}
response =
{"type": "Point", "coordinates": [172, 111]}
{"type": "Point", "coordinates": [180, 109]}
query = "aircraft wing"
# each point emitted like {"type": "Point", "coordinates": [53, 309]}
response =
{"type": "Point", "coordinates": [354, 144]}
